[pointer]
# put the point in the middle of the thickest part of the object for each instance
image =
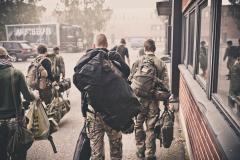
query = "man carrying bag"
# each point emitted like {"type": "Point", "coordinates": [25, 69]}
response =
{"type": "Point", "coordinates": [108, 101]}
{"type": "Point", "coordinates": [12, 132]}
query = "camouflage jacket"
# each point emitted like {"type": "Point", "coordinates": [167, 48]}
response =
{"type": "Point", "coordinates": [58, 66]}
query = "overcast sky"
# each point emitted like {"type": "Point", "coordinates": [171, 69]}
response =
{"type": "Point", "coordinates": [51, 4]}
{"type": "Point", "coordinates": [113, 4]}
{"type": "Point", "coordinates": [131, 3]}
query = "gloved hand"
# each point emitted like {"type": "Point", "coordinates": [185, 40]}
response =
{"type": "Point", "coordinates": [36, 94]}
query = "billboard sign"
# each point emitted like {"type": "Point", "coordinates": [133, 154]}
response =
{"type": "Point", "coordinates": [44, 33]}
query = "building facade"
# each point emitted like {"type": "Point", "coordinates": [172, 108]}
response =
{"type": "Point", "coordinates": [209, 77]}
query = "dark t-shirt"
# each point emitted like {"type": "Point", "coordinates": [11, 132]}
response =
{"type": "Point", "coordinates": [122, 50]}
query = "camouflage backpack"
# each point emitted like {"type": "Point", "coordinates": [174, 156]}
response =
{"type": "Point", "coordinates": [37, 74]}
{"type": "Point", "coordinates": [145, 79]}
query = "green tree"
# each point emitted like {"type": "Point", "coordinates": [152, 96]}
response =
{"type": "Point", "coordinates": [89, 14]}
{"type": "Point", "coordinates": [18, 12]}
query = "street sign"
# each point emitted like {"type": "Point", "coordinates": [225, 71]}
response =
{"type": "Point", "coordinates": [164, 8]}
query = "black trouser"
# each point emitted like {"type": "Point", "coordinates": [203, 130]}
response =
{"type": "Point", "coordinates": [46, 95]}
{"type": "Point", "coordinates": [5, 134]}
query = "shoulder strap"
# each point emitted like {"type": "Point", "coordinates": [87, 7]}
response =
{"type": "Point", "coordinates": [55, 63]}
{"type": "Point", "coordinates": [18, 114]}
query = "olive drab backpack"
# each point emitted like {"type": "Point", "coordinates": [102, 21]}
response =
{"type": "Point", "coordinates": [145, 79]}
{"type": "Point", "coordinates": [37, 74]}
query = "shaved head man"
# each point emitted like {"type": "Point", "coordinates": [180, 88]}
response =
{"type": "Point", "coordinates": [101, 41]}
{"type": "Point", "coordinates": [98, 119]}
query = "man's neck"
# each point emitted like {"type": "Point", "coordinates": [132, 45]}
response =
{"type": "Point", "coordinates": [149, 53]}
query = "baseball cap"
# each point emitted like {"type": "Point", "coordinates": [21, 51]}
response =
{"type": "Point", "coordinates": [3, 52]}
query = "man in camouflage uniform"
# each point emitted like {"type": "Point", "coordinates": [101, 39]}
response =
{"type": "Point", "coordinates": [58, 66]}
{"type": "Point", "coordinates": [96, 127]}
{"type": "Point", "coordinates": [146, 140]}
{"type": "Point", "coordinates": [46, 94]}
{"type": "Point", "coordinates": [230, 55]}
{"type": "Point", "coordinates": [8, 102]}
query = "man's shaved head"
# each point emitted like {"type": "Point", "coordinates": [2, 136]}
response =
{"type": "Point", "coordinates": [101, 41]}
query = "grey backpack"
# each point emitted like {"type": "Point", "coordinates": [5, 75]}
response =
{"type": "Point", "coordinates": [145, 79]}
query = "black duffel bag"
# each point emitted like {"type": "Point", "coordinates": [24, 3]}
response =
{"type": "Point", "coordinates": [83, 148]}
{"type": "Point", "coordinates": [64, 85]}
{"type": "Point", "coordinates": [108, 92]}
{"type": "Point", "coordinates": [164, 128]}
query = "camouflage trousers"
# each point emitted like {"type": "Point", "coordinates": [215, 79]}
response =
{"type": "Point", "coordinates": [230, 62]}
{"type": "Point", "coordinates": [146, 139]}
{"type": "Point", "coordinates": [96, 129]}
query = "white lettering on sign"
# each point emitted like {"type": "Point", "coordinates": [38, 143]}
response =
{"type": "Point", "coordinates": [33, 31]}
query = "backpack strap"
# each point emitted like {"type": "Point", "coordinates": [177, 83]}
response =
{"type": "Point", "coordinates": [117, 48]}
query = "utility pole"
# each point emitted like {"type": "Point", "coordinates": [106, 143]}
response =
{"type": "Point", "coordinates": [176, 45]}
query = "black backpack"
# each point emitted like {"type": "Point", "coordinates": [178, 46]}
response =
{"type": "Point", "coordinates": [164, 128]}
{"type": "Point", "coordinates": [108, 91]}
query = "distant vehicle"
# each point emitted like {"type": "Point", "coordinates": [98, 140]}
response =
{"type": "Point", "coordinates": [137, 42]}
{"type": "Point", "coordinates": [19, 50]}
{"type": "Point", "coordinates": [68, 37]}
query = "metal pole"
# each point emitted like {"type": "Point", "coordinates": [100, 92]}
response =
{"type": "Point", "coordinates": [176, 45]}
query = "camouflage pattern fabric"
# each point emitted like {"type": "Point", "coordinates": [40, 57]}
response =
{"type": "Point", "coordinates": [234, 89]}
{"type": "Point", "coordinates": [96, 129]}
{"type": "Point", "coordinates": [230, 62]}
{"type": "Point", "coordinates": [146, 140]}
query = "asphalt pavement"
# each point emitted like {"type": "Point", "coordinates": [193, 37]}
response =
{"type": "Point", "coordinates": [70, 126]}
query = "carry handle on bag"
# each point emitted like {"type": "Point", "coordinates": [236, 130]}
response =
{"type": "Point", "coordinates": [22, 139]}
